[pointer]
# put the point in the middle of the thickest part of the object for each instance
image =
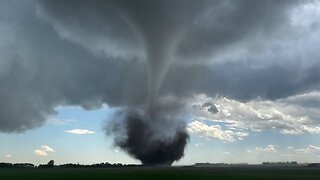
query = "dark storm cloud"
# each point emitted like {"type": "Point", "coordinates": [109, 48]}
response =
{"type": "Point", "coordinates": [135, 54]}
{"type": "Point", "coordinates": [242, 81]}
{"type": "Point", "coordinates": [97, 26]}
{"type": "Point", "coordinates": [227, 23]}
{"type": "Point", "coordinates": [41, 71]}
{"type": "Point", "coordinates": [157, 25]}
{"type": "Point", "coordinates": [206, 28]}
{"type": "Point", "coordinates": [210, 107]}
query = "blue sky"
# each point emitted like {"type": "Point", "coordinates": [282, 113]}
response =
{"type": "Point", "coordinates": [98, 147]}
{"type": "Point", "coordinates": [88, 148]}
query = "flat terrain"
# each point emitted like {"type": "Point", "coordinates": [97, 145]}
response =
{"type": "Point", "coordinates": [224, 173]}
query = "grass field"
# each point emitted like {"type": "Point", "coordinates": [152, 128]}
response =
{"type": "Point", "coordinates": [163, 173]}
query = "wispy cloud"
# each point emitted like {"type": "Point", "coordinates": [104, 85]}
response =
{"type": "Point", "coordinates": [80, 131]}
{"type": "Point", "coordinates": [198, 144]}
{"type": "Point", "coordinates": [8, 156]}
{"type": "Point", "coordinates": [268, 149]}
{"type": "Point", "coordinates": [311, 149]}
{"type": "Point", "coordinates": [57, 121]}
{"type": "Point", "coordinates": [44, 150]}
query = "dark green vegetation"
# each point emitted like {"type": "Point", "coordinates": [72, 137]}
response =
{"type": "Point", "coordinates": [224, 173]}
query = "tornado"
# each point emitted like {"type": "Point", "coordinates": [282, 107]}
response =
{"type": "Point", "coordinates": [154, 133]}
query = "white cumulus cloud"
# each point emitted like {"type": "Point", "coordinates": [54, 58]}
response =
{"type": "Point", "coordinates": [269, 148]}
{"type": "Point", "coordinates": [298, 114]}
{"type": "Point", "coordinates": [311, 149]}
{"type": "Point", "coordinates": [215, 131]}
{"type": "Point", "coordinates": [44, 150]}
{"type": "Point", "coordinates": [80, 131]}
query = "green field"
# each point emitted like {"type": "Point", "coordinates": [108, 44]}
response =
{"type": "Point", "coordinates": [162, 173]}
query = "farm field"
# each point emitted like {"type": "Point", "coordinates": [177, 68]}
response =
{"type": "Point", "coordinates": [225, 173]}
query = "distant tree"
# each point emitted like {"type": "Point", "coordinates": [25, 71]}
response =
{"type": "Point", "coordinates": [5, 165]}
{"type": "Point", "coordinates": [23, 165]}
{"type": "Point", "coordinates": [314, 165]}
{"type": "Point", "coordinates": [50, 164]}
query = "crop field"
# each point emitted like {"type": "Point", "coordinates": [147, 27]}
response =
{"type": "Point", "coordinates": [225, 173]}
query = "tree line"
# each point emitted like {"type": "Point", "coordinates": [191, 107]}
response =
{"type": "Point", "coordinates": [51, 164]}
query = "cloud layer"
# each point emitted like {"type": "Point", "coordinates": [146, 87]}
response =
{"type": "Point", "coordinates": [295, 115]}
{"type": "Point", "coordinates": [242, 51]}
